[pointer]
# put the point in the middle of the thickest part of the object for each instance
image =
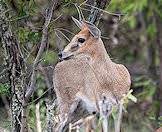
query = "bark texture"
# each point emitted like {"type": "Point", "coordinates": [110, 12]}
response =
{"type": "Point", "coordinates": [16, 71]}
{"type": "Point", "coordinates": [95, 14]}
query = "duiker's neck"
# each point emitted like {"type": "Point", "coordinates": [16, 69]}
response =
{"type": "Point", "coordinates": [100, 53]}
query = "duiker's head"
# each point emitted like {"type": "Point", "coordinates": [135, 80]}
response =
{"type": "Point", "coordinates": [82, 41]}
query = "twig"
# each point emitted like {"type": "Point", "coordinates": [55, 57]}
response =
{"type": "Point", "coordinates": [37, 99]}
{"type": "Point", "coordinates": [81, 16]}
{"type": "Point", "coordinates": [19, 18]}
{"type": "Point", "coordinates": [65, 30]}
{"type": "Point", "coordinates": [48, 17]}
{"type": "Point", "coordinates": [58, 42]}
{"type": "Point", "coordinates": [107, 12]}
{"type": "Point", "coordinates": [38, 121]}
{"type": "Point", "coordinates": [104, 37]}
{"type": "Point", "coordinates": [48, 84]}
{"type": "Point", "coordinates": [29, 53]}
{"type": "Point", "coordinates": [55, 19]}
{"type": "Point", "coordinates": [83, 2]}
{"type": "Point", "coordinates": [56, 30]}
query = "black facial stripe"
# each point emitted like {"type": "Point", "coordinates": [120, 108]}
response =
{"type": "Point", "coordinates": [74, 46]}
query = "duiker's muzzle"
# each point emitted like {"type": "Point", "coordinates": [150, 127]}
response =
{"type": "Point", "coordinates": [64, 56]}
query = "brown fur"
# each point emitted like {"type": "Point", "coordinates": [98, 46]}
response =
{"type": "Point", "coordinates": [159, 130]}
{"type": "Point", "coordinates": [90, 74]}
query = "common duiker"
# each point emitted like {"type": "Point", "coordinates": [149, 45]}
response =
{"type": "Point", "coordinates": [88, 75]}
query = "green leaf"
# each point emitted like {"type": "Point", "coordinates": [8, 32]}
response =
{"type": "Point", "coordinates": [50, 57]}
{"type": "Point", "coordinates": [151, 30]}
{"type": "Point", "coordinates": [132, 21]}
{"type": "Point", "coordinates": [128, 8]}
{"type": "Point", "coordinates": [4, 89]}
{"type": "Point", "coordinates": [132, 98]}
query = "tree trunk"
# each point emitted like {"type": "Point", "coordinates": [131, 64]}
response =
{"type": "Point", "coordinates": [16, 72]}
{"type": "Point", "coordinates": [159, 43]}
{"type": "Point", "coordinates": [24, 127]}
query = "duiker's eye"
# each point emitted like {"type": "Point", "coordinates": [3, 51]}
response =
{"type": "Point", "coordinates": [81, 40]}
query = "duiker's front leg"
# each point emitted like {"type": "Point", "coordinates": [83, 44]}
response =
{"type": "Point", "coordinates": [105, 107]}
{"type": "Point", "coordinates": [76, 112]}
{"type": "Point", "coordinates": [117, 121]}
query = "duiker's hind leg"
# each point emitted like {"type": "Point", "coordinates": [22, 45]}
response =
{"type": "Point", "coordinates": [105, 107]}
{"type": "Point", "coordinates": [117, 121]}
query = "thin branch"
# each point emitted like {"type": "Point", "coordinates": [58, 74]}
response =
{"type": "Point", "coordinates": [56, 30]}
{"type": "Point", "coordinates": [43, 44]}
{"type": "Point", "coordinates": [40, 97]}
{"type": "Point", "coordinates": [38, 121]}
{"type": "Point", "coordinates": [66, 30]}
{"type": "Point", "coordinates": [104, 37]}
{"type": "Point", "coordinates": [84, 2]}
{"type": "Point", "coordinates": [107, 12]}
{"type": "Point", "coordinates": [55, 19]}
{"type": "Point", "coordinates": [29, 53]}
{"type": "Point", "coordinates": [81, 16]}
{"type": "Point", "coordinates": [48, 84]}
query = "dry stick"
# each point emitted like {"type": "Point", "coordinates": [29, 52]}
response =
{"type": "Point", "coordinates": [29, 53]}
{"type": "Point", "coordinates": [38, 121]}
{"type": "Point", "coordinates": [55, 19]}
{"type": "Point", "coordinates": [48, 17]}
{"type": "Point", "coordinates": [56, 30]}
{"type": "Point", "coordinates": [66, 30]}
{"type": "Point", "coordinates": [39, 98]}
{"type": "Point", "coordinates": [104, 11]}
{"type": "Point", "coordinates": [58, 39]}
{"type": "Point", "coordinates": [81, 16]}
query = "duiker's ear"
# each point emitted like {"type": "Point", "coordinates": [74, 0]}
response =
{"type": "Point", "coordinates": [77, 22]}
{"type": "Point", "coordinates": [93, 30]}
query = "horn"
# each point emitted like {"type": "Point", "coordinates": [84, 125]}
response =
{"type": "Point", "coordinates": [77, 22]}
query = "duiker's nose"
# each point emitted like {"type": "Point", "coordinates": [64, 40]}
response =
{"type": "Point", "coordinates": [60, 54]}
